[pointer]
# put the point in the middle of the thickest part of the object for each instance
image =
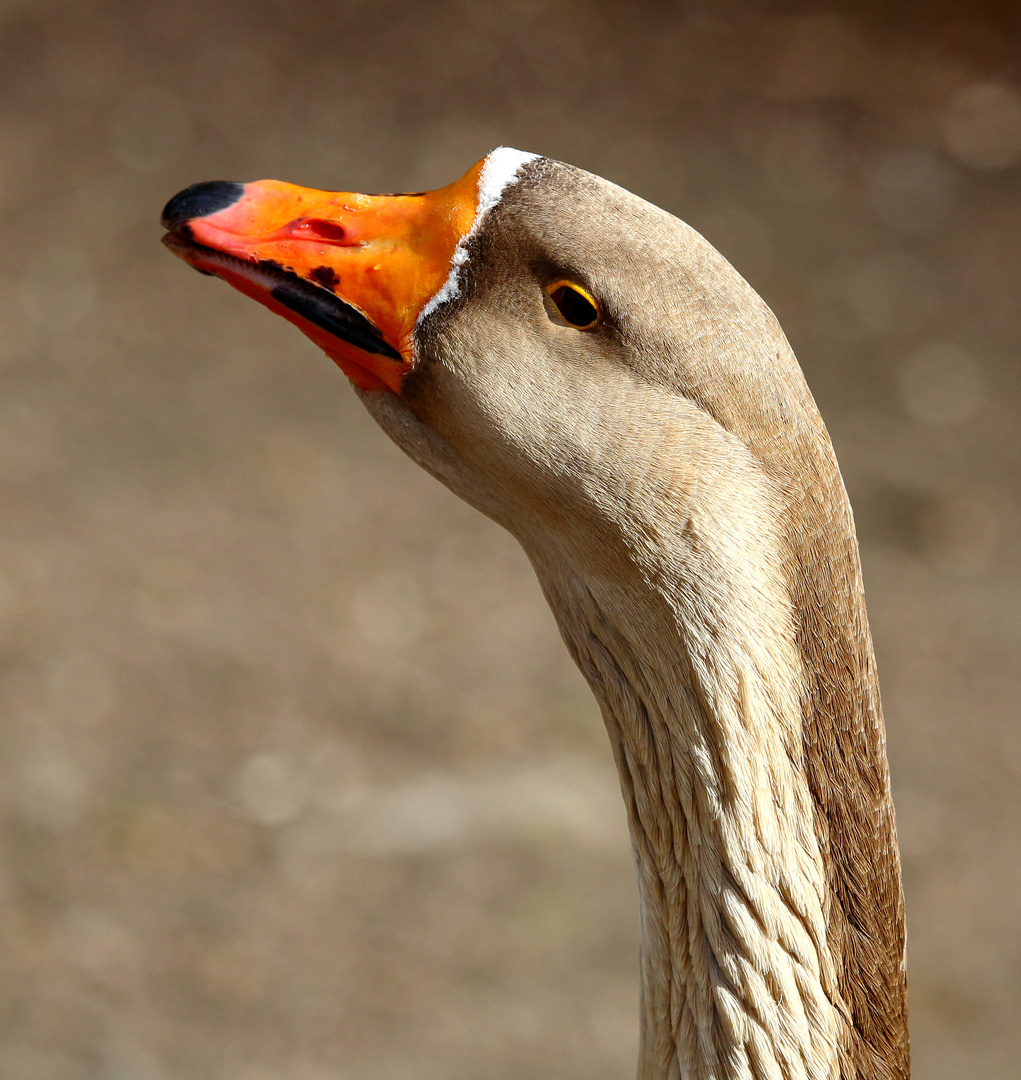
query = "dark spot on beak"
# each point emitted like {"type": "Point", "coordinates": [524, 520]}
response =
{"type": "Point", "coordinates": [200, 200]}
{"type": "Point", "coordinates": [325, 275]}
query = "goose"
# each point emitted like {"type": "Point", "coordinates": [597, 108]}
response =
{"type": "Point", "coordinates": [589, 372]}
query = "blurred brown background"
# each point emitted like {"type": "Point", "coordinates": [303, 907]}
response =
{"type": "Point", "coordinates": [297, 780]}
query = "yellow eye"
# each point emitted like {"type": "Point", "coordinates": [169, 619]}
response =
{"type": "Point", "coordinates": [577, 306]}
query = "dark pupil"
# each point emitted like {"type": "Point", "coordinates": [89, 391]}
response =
{"type": "Point", "coordinates": [574, 307]}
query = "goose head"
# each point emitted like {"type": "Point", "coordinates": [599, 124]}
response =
{"type": "Point", "coordinates": [562, 354]}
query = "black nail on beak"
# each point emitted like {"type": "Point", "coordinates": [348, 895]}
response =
{"type": "Point", "coordinates": [200, 200]}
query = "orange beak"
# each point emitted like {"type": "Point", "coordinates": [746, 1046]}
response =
{"type": "Point", "coordinates": [352, 272]}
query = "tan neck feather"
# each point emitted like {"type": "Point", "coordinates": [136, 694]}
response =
{"type": "Point", "coordinates": [697, 668]}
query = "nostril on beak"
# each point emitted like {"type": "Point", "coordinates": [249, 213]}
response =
{"type": "Point", "coordinates": [200, 200]}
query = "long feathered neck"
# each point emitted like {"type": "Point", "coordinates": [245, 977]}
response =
{"type": "Point", "coordinates": [730, 699]}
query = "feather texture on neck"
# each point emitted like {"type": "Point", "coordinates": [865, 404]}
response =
{"type": "Point", "coordinates": [694, 659]}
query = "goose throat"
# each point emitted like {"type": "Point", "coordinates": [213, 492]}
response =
{"type": "Point", "coordinates": [702, 687]}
